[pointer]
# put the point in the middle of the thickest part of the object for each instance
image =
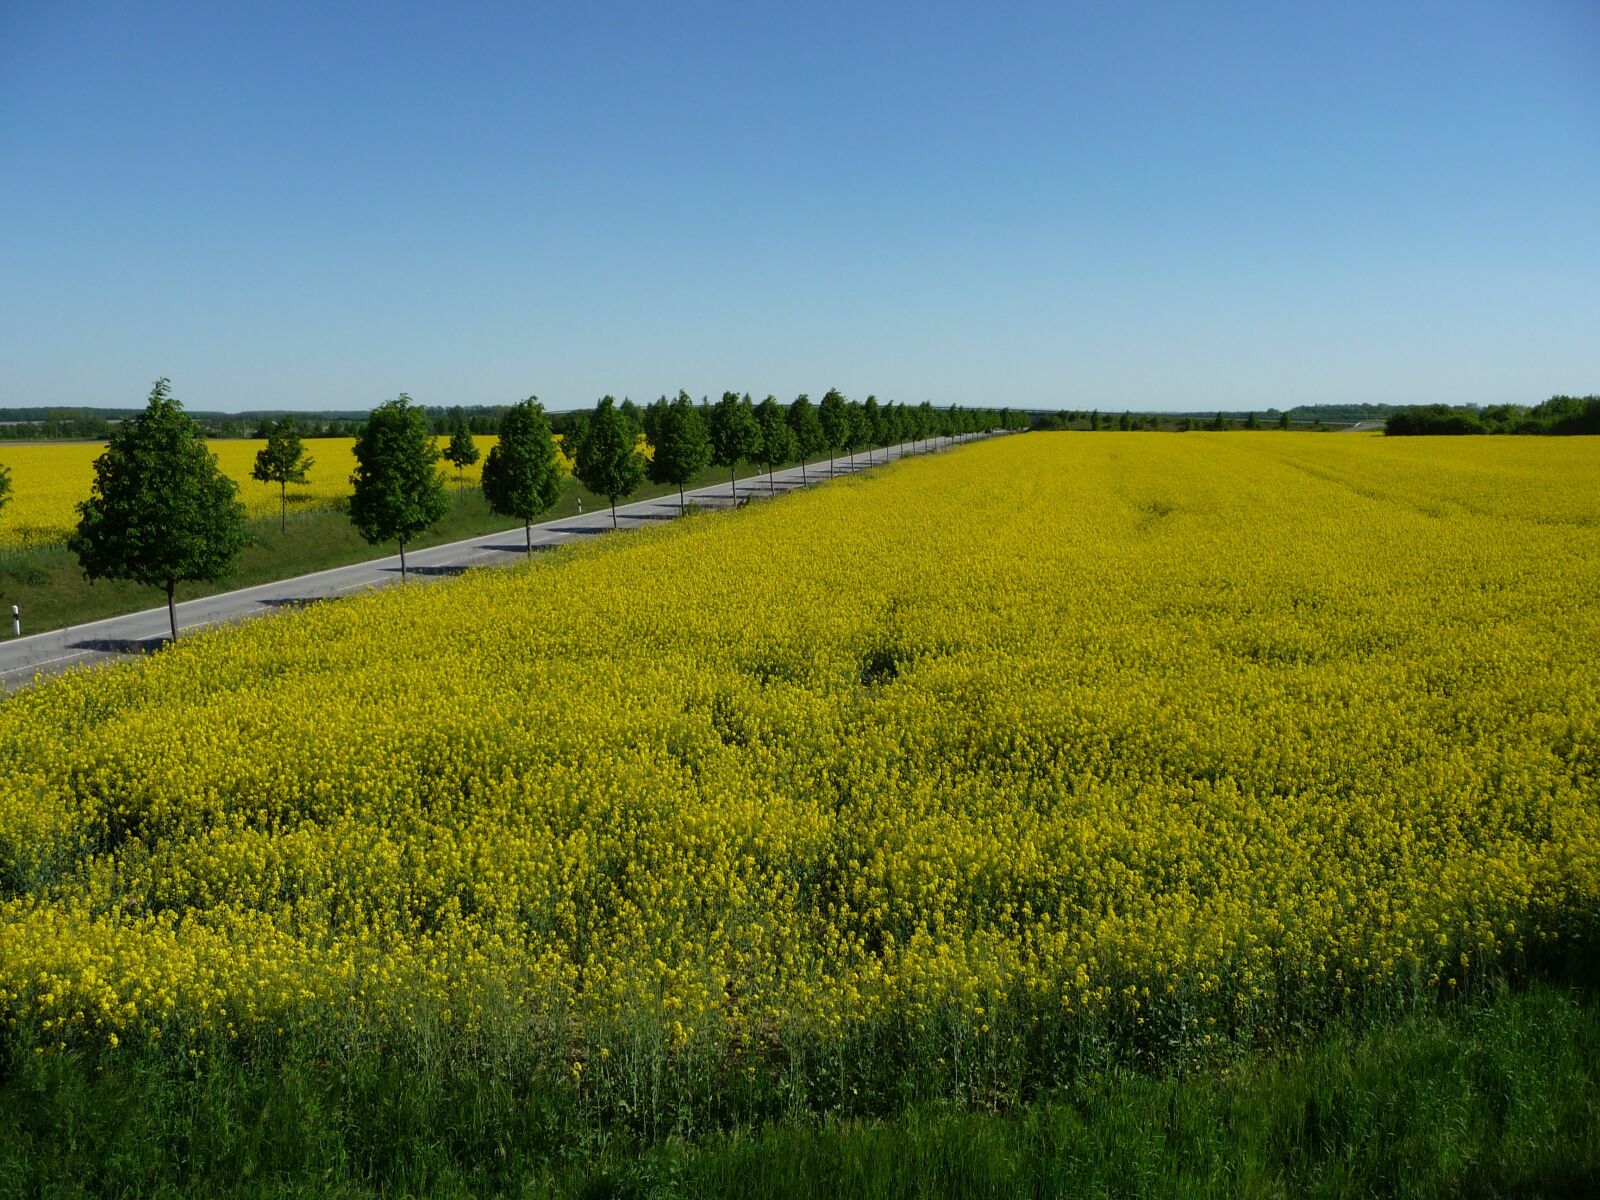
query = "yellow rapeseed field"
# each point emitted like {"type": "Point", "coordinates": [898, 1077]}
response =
{"type": "Point", "coordinates": [48, 480]}
{"type": "Point", "coordinates": [1164, 738]}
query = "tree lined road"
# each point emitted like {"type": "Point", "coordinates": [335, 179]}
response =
{"type": "Point", "coordinates": [138, 633]}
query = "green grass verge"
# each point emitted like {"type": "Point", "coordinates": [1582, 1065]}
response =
{"type": "Point", "coordinates": [1498, 1099]}
{"type": "Point", "coordinates": [49, 586]}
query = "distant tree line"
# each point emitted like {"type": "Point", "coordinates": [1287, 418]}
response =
{"type": "Point", "coordinates": [1557, 415]}
{"type": "Point", "coordinates": [55, 424]}
{"type": "Point", "coordinates": [478, 419]}
{"type": "Point", "coordinates": [98, 424]}
{"type": "Point", "coordinates": [1343, 414]}
{"type": "Point", "coordinates": [311, 425]}
{"type": "Point", "coordinates": [1094, 421]}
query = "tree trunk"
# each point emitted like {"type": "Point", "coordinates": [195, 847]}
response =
{"type": "Point", "coordinates": [803, 479]}
{"type": "Point", "coordinates": [283, 507]}
{"type": "Point", "coordinates": [733, 485]}
{"type": "Point", "coordinates": [402, 562]}
{"type": "Point", "coordinates": [683, 506]}
{"type": "Point", "coordinates": [830, 462]}
{"type": "Point", "coordinates": [527, 530]}
{"type": "Point", "coordinates": [772, 488]}
{"type": "Point", "coordinates": [613, 500]}
{"type": "Point", "coordinates": [172, 608]}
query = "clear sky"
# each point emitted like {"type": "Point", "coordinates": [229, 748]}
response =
{"type": "Point", "coordinates": [1149, 206]}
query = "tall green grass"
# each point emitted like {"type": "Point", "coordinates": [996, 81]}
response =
{"type": "Point", "coordinates": [1495, 1099]}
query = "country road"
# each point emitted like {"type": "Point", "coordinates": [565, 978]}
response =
{"type": "Point", "coordinates": [21, 659]}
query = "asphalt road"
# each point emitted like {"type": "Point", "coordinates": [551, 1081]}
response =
{"type": "Point", "coordinates": [23, 659]}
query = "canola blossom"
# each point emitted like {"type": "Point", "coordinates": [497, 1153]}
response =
{"type": "Point", "coordinates": [49, 480]}
{"type": "Point", "coordinates": [1166, 738]}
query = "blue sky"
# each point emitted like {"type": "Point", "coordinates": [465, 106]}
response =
{"type": "Point", "coordinates": [1150, 206]}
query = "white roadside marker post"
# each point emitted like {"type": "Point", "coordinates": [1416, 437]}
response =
{"type": "Point", "coordinates": [16, 621]}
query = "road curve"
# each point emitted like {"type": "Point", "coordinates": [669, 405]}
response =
{"type": "Point", "coordinates": [26, 658]}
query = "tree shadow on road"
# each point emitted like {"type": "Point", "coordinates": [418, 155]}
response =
{"type": "Point", "coordinates": [450, 569]}
{"type": "Point", "coordinates": [521, 548]}
{"type": "Point", "coordinates": [123, 645]}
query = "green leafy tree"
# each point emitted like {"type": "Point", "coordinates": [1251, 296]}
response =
{"type": "Point", "coordinates": [777, 441]}
{"type": "Point", "coordinates": [1283, 420]}
{"type": "Point", "coordinates": [858, 431]}
{"type": "Point", "coordinates": [834, 414]}
{"type": "Point", "coordinates": [521, 477]}
{"type": "Point", "coordinates": [734, 435]}
{"type": "Point", "coordinates": [398, 491]}
{"type": "Point", "coordinates": [633, 414]}
{"type": "Point", "coordinates": [682, 445]}
{"type": "Point", "coordinates": [462, 452]}
{"type": "Point", "coordinates": [872, 425]}
{"type": "Point", "coordinates": [1254, 422]}
{"type": "Point", "coordinates": [1094, 420]}
{"type": "Point", "coordinates": [160, 512]}
{"type": "Point", "coordinates": [608, 460]}
{"type": "Point", "coordinates": [283, 460]}
{"type": "Point", "coordinates": [891, 424]}
{"type": "Point", "coordinates": [806, 426]}
{"type": "Point", "coordinates": [650, 418]}
{"type": "Point", "coordinates": [572, 435]}
{"type": "Point", "coordinates": [902, 424]}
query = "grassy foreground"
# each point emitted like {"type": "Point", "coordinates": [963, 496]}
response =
{"type": "Point", "coordinates": [1501, 1099]}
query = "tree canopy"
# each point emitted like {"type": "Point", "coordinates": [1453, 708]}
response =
{"type": "Point", "coordinates": [806, 427]}
{"type": "Point", "coordinates": [608, 461]}
{"type": "Point", "coordinates": [777, 441]}
{"type": "Point", "coordinates": [521, 477]}
{"type": "Point", "coordinates": [682, 445]}
{"type": "Point", "coordinates": [1557, 415]}
{"type": "Point", "coordinates": [894, 416]}
{"type": "Point", "coordinates": [834, 414]}
{"type": "Point", "coordinates": [633, 414]}
{"type": "Point", "coordinates": [160, 511]}
{"type": "Point", "coordinates": [398, 492]}
{"type": "Point", "coordinates": [462, 451]}
{"type": "Point", "coordinates": [283, 460]}
{"type": "Point", "coordinates": [872, 425]}
{"type": "Point", "coordinates": [734, 434]}
{"type": "Point", "coordinates": [650, 418]}
{"type": "Point", "coordinates": [859, 430]}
